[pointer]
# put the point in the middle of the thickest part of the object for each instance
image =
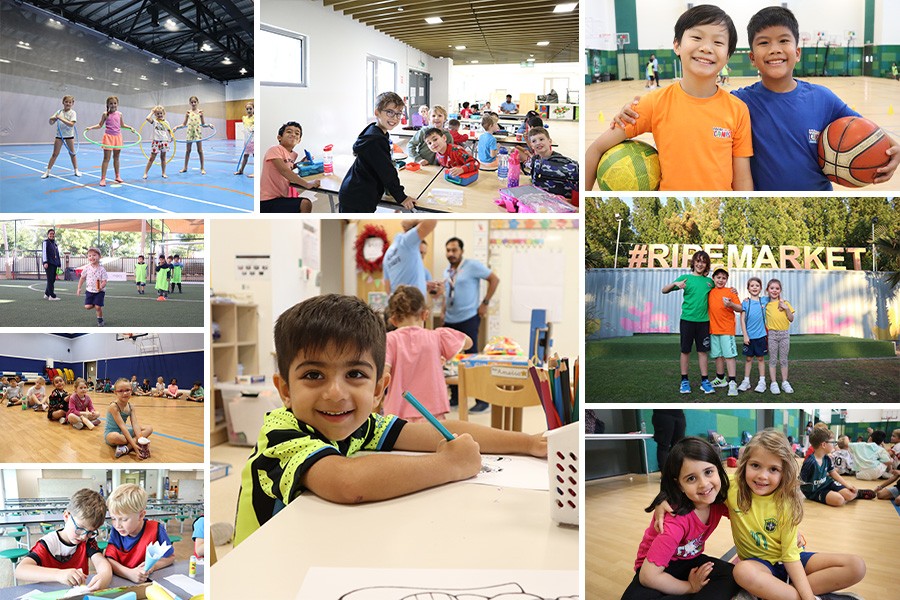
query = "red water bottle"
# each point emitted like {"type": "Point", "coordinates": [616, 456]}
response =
{"type": "Point", "coordinates": [328, 160]}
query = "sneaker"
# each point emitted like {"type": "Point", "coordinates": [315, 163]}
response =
{"type": "Point", "coordinates": [77, 173]}
{"type": "Point", "coordinates": [773, 387]}
{"type": "Point", "coordinates": [786, 387]}
{"type": "Point", "coordinates": [732, 388]}
{"type": "Point", "coordinates": [840, 596]}
{"type": "Point", "coordinates": [685, 387]}
{"type": "Point", "coordinates": [761, 386]}
{"type": "Point", "coordinates": [707, 387]}
{"type": "Point", "coordinates": [745, 385]}
{"type": "Point", "coordinates": [865, 494]}
{"type": "Point", "coordinates": [96, 422]}
{"type": "Point", "coordinates": [122, 451]}
{"type": "Point", "coordinates": [100, 323]}
{"type": "Point", "coordinates": [45, 175]}
{"type": "Point", "coordinates": [480, 407]}
{"type": "Point", "coordinates": [62, 421]}
{"type": "Point", "coordinates": [46, 297]}
{"type": "Point", "coordinates": [719, 382]}
{"type": "Point", "coordinates": [78, 425]}
{"type": "Point", "coordinates": [55, 299]}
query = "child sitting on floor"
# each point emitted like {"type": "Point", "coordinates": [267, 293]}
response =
{"type": "Point", "coordinates": [132, 532]}
{"type": "Point", "coordinates": [35, 398]}
{"type": "Point", "coordinates": [329, 343]}
{"type": "Point", "coordinates": [820, 481]}
{"type": "Point", "coordinates": [172, 391]}
{"type": "Point", "coordinates": [58, 401]}
{"type": "Point", "coordinates": [81, 411]}
{"type": "Point", "coordinates": [415, 356]}
{"type": "Point", "coordinates": [117, 433]}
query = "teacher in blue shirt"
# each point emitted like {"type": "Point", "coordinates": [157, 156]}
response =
{"type": "Point", "coordinates": [463, 305]}
{"type": "Point", "coordinates": [403, 261]}
{"type": "Point", "coordinates": [509, 107]}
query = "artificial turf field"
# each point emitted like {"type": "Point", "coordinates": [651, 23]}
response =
{"type": "Point", "coordinates": [830, 368]}
{"type": "Point", "coordinates": [22, 304]}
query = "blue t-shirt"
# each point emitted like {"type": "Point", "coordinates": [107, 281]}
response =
{"type": "Point", "coordinates": [486, 144]}
{"type": "Point", "coordinates": [198, 529]}
{"type": "Point", "coordinates": [127, 542]}
{"type": "Point", "coordinates": [508, 106]}
{"type": "Point", "coordinates": [786, 130]}
{"type": "Point", "coordinates": [465, 288]}
{"type": "Point", "coordinates": [403, 263]}
{"type": "Point", "coordinates": [756, 316]}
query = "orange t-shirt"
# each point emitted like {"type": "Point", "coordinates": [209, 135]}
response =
{"type": "Point", "coordinates": [721, 318]}
{"type": "Point", "coordinates": [696, 137]}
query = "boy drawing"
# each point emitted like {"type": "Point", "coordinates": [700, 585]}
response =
{"type": "Point", "coordinates": [331, 352]}
{"type": "Point", "coordinates": [62, 556]}
{"type": "Point", "coordinates": [702, 133]}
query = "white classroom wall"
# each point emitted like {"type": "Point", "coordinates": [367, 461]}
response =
{"type": "Point", "coordinates": [332, 108]}
{"type": "Point", "coordinates": [478, 83]}
{"type": "Point", "coordinates": [656, 19]}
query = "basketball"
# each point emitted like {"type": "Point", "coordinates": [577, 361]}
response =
{"type": "Point", "coordinates": [851, 149]}
{"type": "Point", "coordinates": [629, 167]}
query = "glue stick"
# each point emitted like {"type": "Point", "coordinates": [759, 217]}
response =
{"type": "Point", "coordinates": [155, 592]}
{"type": "Point", "coordinates": [192, 567]}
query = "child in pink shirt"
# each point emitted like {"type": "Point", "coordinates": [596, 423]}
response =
{"type": "Point", "coordinates": [172, 390]}
{"type": "Point", "coordinates": [672, 563]}
{"type": "Point", "coordinates": [275, 191]}
{"type": "Point", "coordinates": [415, 356]}
{"type": "Point", "coordinates": [81, 411]}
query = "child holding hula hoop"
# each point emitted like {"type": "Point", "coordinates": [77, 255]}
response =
{"type": "Point", "coordinates": [193, 120]}
{"type": "Point", "coordinates": [249, 124]}
{"type": "Point", "coordinates": [112, 139]}
{"type": "Point", "coordinates": [65, 134]}
{"type": "Point", "coordinates": [161, 135]}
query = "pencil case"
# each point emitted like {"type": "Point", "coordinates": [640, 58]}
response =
{"type": "Point", "coordinates": [312, 168]}
{"type": "Point", "coordinates": [462, 179]}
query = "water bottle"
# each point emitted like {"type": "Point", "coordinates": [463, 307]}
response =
{"type": "Point", "coordinates": [514, 168]}
{"type": "Point", "coordinates": [328, 160]}
{"type": "Point", "coordinates": [503, 166]}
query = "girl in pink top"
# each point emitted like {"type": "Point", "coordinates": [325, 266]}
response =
{"type": "Point", "coordinates": [112, 139]}
{"type": "Point", "coordinates": [415, 356]}
{"type": "Point", "coordinates": [172, 390]}
{"type": "Point", "coordinates": [672, 563]}
{"type": "Point", "coordinates": [81, 410]}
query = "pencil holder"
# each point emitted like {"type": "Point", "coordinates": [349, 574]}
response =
{"type": "Point", "coordinates": [562, 462]}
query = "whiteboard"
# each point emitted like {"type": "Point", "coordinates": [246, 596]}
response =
{"type": "Point", "coordinates": [64, 488]}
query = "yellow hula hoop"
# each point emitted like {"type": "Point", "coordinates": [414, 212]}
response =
{"type": "Point", "coordinates": [171, 134]}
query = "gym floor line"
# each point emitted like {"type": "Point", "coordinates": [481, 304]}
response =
{"type": "Point", "coordinates": [217, 191]}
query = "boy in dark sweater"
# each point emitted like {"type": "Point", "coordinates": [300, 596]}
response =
{"type": "Point", "coordinates": [373, 171]}
{"type": "Point", "coordinates": [551, 171]}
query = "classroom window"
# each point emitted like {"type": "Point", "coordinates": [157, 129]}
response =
{"type": "Point", "coordinates": [286, 57]}
{"type": "Point", "coordinates": [381, 76]}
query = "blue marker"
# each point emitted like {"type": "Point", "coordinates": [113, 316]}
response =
{"type": "Point", "coordinates": [437, 424]}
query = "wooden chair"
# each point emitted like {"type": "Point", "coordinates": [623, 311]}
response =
{"type": "Point", "coordinates": [507, 389]}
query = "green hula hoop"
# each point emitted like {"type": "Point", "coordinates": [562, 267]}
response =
{"type": "Point", "coordinates": [174, 142]}
{"type": "Point", "coordinates": [110, 147]}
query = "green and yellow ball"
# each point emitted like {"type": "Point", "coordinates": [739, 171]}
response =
{"type": "Point", "coordinates": [631, 166]}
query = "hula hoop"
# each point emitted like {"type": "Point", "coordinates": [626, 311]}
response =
{"type": "Point", "coordinates": [75, 140]}
{"type": "Point", "coordinates": [171, 133]}
{"type": "Point", "coordinates": [244, 151]}
{"type": "Point", "coordinates": [201, 140]}
{"type": "Point", "coordinates": [111, 147]}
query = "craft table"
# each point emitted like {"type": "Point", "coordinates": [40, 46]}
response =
{"type": "Point", "coordinates": [453, 526]}
{"type": "Point", "coordinates": [179, 567]}
{"type": "Point", "coordinates": [643, 437]}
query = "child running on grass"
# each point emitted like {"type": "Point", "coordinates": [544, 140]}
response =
{"type": "Point", "coordinates": [694, 325]}
{"type": "Point", "coordinates": [94, 279]}
{"type": "Point", "coordinates": [118, 434]}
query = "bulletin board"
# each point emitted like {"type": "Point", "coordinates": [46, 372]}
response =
{"type": "Point", "coordinates": [536, 261]}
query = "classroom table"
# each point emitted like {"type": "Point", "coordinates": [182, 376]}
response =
{"type": "Point", "coordinates": [26, 520]}
{"type": "Point", "coordinates": [179, 567]}
{"type": "Point", "coordinates": [454, 526]}
{"type": "Point", "coordinates": [643, 437]}
{"type": "Point", "coordinates": [478, 197]}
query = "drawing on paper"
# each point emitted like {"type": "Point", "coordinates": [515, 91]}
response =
{"type": "Point", "coordinates": [505, 591]}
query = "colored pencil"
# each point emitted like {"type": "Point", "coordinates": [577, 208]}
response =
{"type": "Point", "coordinates": [428, 416]}
{"type": "Point", "coordinates": [566, 391]}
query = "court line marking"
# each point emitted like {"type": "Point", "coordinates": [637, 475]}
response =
{"type": "Point", "coordinates": [78, 184]}
{"type": "Point", "coordinates": [177, 439]}
{"type": "Point", "coordinates": [209, 202]}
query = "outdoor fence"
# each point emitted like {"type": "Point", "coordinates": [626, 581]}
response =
{"type": "Point", "coordinates": [28, 265]}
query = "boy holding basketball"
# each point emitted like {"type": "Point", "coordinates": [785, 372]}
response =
{"type": "Point", "coordinates": [788, 115]}
{"type": "Point", "coordinates": [702, 133]}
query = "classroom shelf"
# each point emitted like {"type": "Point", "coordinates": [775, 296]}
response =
{"type": "Point", "coordinates": [237, 345]}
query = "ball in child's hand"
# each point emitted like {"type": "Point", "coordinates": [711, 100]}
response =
{"type": "Point", "coordinates": [851, 149]}
{"type": "Point", "coordinates": [629, 166]}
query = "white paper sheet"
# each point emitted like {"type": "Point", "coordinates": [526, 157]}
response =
{"type": "Point", "coordinates": [192, 586]}
{"type": "Point", "coordinates": [523, 472]}
{"type": "Point", "coordinates": [398, 584]}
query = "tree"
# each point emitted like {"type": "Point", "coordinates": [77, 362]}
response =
{"type": "Point", "coordinates": [600, 232]}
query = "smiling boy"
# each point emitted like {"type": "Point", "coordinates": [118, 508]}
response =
{"type": "Point", "coordinates": [331, 352]}
{"type": "Point", "coordinates": [549, 170]}
{"type": "Point", "coordinates": [132, 533]}
{"type": "Point", "coordinates": [450, 156]}
{"type": "Point", "coordinates": [702, 133]}
{"type": "Point", "coordinates": [275, 192]}
{"type": "Point", "coordinates": [94, 279]}
{"type": "Point", "coordinates": [723, 303]}
{"type": "Point", "coordinates": [373, 171]}
{"type": "Point", "coordinates": [417, 148]}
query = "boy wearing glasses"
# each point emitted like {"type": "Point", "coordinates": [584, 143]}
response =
{"type": "Point", "coordinates": [62, 556]}
{"type": "Point", "coordinates": [132, 533]}
{"type": "Point", "coordinates": [373, 171]}
{"type": "Point", "coordinates": [820, 481]}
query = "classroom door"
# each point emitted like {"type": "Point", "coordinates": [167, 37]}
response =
{"type": "Point", "coordinates": [90, 371]}
{"type": "Point", "coordinates": [419, 90]}
{"type": "Point", "coordinates": [867, 60]}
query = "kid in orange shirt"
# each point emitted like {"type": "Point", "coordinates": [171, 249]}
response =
{"type": "Point", "coordinates": [723, 303]}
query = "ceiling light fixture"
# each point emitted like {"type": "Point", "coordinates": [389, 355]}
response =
{"type": "Point", "coordinates": [171, 25]}
{"type": "Point", "coordinates": [179, 70]}
{"type": "Point", "coordinates": [460, 47]}
{"type": "Point", "coordinates": [117, 70]}
{"type": "Point", "coordinates": [79, 59]}
{"type": "Point", "coordinates": [154, 60]}
{"type": "Point", "coordinates": [24, 45]}
{"type": "Point", "coordinates": [564, 8]}
{"type": "Point", "coordinates": [543, 43]}
{"type": "Point", "coordinates": [243, 71]}
{"type": "Point", "coordinates": [227, 61]}
{"type": "Point", "coordinates": [433, 20]}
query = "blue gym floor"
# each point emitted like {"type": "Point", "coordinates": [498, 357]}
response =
{"type": "Point", "coordinates": [219, 190]}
